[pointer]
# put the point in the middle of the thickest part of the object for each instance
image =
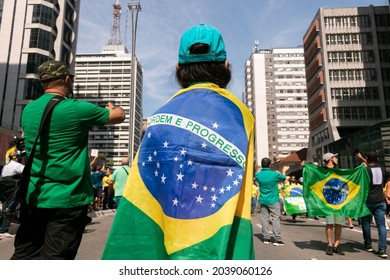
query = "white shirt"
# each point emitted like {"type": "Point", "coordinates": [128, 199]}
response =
{"type": "Point", "coordinates": [12, 168]}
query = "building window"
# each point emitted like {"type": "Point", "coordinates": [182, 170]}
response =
{"type": "Point", "coordinates": [44, 15]}
{"type": "Point", "coordinates": [352, 20]}
{"type": "Point", "coordinates": [33, 61]}
{"type": "Point", "coordinates": [369, 75]}
{"type": "Point", "coordinates": [41, 39]}
{"type": "Point", "coordinates": [382, 20]}
{"type": "Point", "coordinates": [32, 89]}
{"type": "Point", "coordinates": [357, 113]}
{"type": "Point", "coordinates": [364, 21]}
{"type": "Point", "coordinates": [384, 55]}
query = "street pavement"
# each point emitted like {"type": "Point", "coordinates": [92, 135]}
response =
{"type": "Point", "coordinates": [92, 244]}
{"type": "Point", "coordinates": [304, 240]}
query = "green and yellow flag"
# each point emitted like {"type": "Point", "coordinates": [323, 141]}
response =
{"type": "Point", "coordinates": [188, 194]}
{"type": "Point", "coordinates": [293, 199]}
{"type": "Point", "coordinates": [334, 191]}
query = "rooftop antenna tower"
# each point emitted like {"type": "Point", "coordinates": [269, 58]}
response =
{"type": "Point", "coordinates": [256, 48]}
{"type": "Point", "coordinates": [115, 38]}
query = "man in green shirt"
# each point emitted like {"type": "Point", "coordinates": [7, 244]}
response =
{"type": "Point", "coordinates": [268, 181]}
{"type": "Point", "coordinates": [60, 187]}
{"type": "Point", "coordinates": [119, 178]}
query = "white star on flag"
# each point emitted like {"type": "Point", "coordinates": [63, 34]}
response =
{"type": "Point", "coordinates": [199, 199]}
{"type": "Point", "coordinates": [175, 201]}
{"type": "Point", "coordinates": [165, 144]}
{"type": "Point", "coordinates": [194, 185]}
{"type": "Point", "coordinates": [229, 172]}
{"type": "Point", "coordinates": [163, 179]}
{"type": "Point", "coordinates": [180, 176]}
{"type": "Point", "coordinates": [215, 125]}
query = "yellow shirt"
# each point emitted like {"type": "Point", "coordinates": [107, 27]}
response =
{"type": "Point", "coordinates": [105, 179]}
{"type": "Point", "coordinates": [255, 191]}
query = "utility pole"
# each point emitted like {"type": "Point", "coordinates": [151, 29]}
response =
{"type": "Point", "coordinates": [134, 7]}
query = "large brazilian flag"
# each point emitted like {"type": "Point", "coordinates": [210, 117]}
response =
{"type": "Point", "coordinates": [334, 191]}
{"type": "Point", "coordinates": [188, 194]}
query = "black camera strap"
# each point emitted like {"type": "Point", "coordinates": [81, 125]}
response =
{"type": "Point", "coordinates": [27, 168]}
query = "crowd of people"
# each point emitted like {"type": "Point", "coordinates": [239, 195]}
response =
{"type": "Point", "coordinates": [11, 173]}
{"type": "Point", "coordinates": [108, 184]}
{"type": "Point", "coordinates": [274, 183]}
{"type": "Point", "coordinates": [156, 199]}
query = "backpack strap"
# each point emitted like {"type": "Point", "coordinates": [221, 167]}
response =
{"type": "Point", "coordinates": [45, 117]}
{"type": "Point", "coordinates": [125, 170]}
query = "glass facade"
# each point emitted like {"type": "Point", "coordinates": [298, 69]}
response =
{"type": "Point", "coordinates": [376, 138]}
{"type": "Point", "coordinates": [44, 15]}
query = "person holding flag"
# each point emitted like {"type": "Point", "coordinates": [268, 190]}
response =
{"type": "Point", "coordinates": [188, 194]}
{"type": "Point", "coordinates": [376, 203]}
{"type": "Point", "coordinates": [293, 198]}
{"type": "Point", "coordinates": [335, 193]}
{"type": "Point", "coordinates": [333, 222]}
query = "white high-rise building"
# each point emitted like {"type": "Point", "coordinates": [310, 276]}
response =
{"type": "Point", "coordinates": [106, 77]}
{"type": "Point", "coordinates": [31, 32]}
{"type": "Point", "coordinates": [276, 94]}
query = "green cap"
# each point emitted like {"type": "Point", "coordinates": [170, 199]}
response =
{"type": "Point", "coordinates": [204, 34]}
{"type": "Point", "coordinates": [53, 70]}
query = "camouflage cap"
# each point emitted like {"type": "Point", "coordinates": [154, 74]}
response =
{"type": "Point", "coordinates": [52, 69]}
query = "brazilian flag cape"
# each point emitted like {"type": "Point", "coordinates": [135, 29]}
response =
{"type": "Point", "coordinates": [334, 191]}
{"type": "Point", "coordinates": [188, 194]}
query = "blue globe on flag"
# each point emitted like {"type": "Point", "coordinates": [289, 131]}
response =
{"type": "Point", "coordinates": [335, 191]}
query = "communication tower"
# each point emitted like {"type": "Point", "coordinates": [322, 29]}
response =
{"type": "Point", "coordinates": [115, 38]}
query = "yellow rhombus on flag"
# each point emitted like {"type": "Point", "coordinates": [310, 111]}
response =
{"type": "Point", "coordinates": [334, 191]}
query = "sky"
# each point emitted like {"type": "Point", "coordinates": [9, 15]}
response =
{"type": "Point", "coordinates": [273, 23]}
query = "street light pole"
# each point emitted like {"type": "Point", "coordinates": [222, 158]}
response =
{"type": "Point", "coordinates": [134, 6]}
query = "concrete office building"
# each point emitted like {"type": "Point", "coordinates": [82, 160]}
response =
{"type": "Point", "coordinates": [275, 92]}
{"type": "Point", "coordinates": [347, 59]}
{"type": "Point", "coordinates": [31, 32]}
{"type": "Point", "coordinates": [106, 77]}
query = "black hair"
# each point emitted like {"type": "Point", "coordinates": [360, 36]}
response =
{"type": "Point", "coordinates": [372, 156]}
{"type": "Point", "coordinates": [265, 162]}
{"type": "Point", "coordinates": [216, 72]}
